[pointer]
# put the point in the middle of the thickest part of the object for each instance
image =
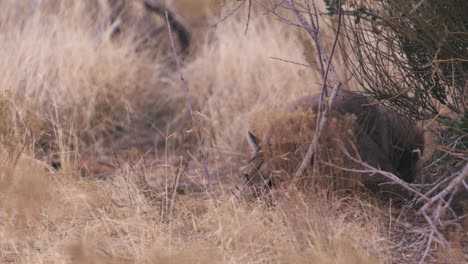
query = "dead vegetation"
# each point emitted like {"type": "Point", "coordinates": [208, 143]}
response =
{"type": "Point", "coordinates": [93, 128]}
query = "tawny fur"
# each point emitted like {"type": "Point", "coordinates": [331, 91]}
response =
{"type": "Point", "coordinates": [369, 132]}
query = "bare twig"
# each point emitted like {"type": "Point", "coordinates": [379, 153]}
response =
{"type": "Point", "coordinates": [187, 96]}
{"type": "Point", "coordinates": [313, 146]}
{"type": "Point", "coordinates": [428, 247]}
{"type": "Point", "coordinates": [313, 32]}
{"type": "Point", "coordinates": [437, 185]}
{"type": "Point", "coordinates": [296, 63]}
{"type": "Point", "coordinates": [320, 126]}
{"type": "Point", "coordinates": [230, 14]}
{"type": "Point", "coordinates": [416, 7]}
{"type": "Point", "coordinates": [440, 200]}
{"type": "Point", "coordinates": [452, 185]}
{"type": "Point", "coordinates": [368, 169]}
{"type": "Point", "coordinates": [248, 17]}
{"type": "Point", "coordinates": [182, 167]}
{"type": "Point", "coordinates": [432, 215]}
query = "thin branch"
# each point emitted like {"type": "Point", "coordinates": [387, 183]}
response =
{"type": "Point", "coordinates": [229, 15]}
{"type": "Point", "coordinates": [320, 126]}
{"type": "Point", "coordinates": [332, 52]}
{"type": "Point", "coordinates": [368, 169]}
{"type": "Point", "coordinates": [313, 146]}
{"type": "Point", "coordinates": [313, 32]}
{"type": "Point", "coordinates": [296, 63]}
{"type": "Point", "coordinates": [416, 7]}
{"type": "Point", "coordinates": [455, 182]}
{"type": "Point", "coordinates": [248, 17]}
{"type": "Point", "coordinates": [187, 95]}
{"type": "Point", "coordinates": [428, 247]}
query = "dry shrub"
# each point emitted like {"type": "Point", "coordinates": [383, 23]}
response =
{"type": "Point", "coordinates": [410, 55]}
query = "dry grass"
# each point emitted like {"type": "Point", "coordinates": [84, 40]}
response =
{"type": "Point", "coordinates": [61, 64]}
{"type": "Point", "coordinates": [60, 218]}
{"type": "Point", "coordinates": [235, 75]}
{"type": "Point", "coordinates": [69, 90]}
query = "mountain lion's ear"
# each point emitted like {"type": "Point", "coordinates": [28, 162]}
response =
{"type": "Point", "coordinates": [254, 142]}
